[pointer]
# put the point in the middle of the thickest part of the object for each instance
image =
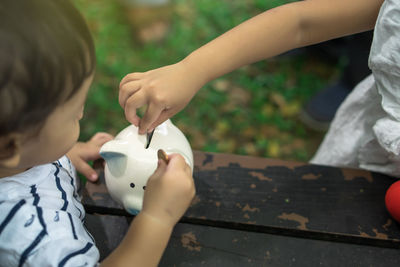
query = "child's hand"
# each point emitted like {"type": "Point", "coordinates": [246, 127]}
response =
{"type": "Point", "coordinates": [169, 191]}
{"type": "Point", "coordinates": [81, 153]}
{"type": "Point", "coordinates": [165, 91]}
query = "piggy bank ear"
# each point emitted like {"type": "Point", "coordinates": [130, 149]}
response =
{"type": "Point", "coordinates": [116, 162]}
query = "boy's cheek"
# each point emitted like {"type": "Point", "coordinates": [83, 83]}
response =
{"type": "Point", "coordinates": [80, 116]}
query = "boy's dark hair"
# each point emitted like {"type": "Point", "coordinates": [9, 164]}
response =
{"type": "Point", "coordinates": [46, 52]}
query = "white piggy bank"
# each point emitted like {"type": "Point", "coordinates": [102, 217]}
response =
{"type": "Point", "coordinates": [129, 164]}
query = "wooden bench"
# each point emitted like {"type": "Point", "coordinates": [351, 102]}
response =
{"type": "Point", "coordinates": [251, 211]}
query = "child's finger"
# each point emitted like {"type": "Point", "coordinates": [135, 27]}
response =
{"type": "Point", "coordinates": [165, 115]}
{"type": "Point", "coordinates": [130, 77]}
{"type": "Point", "coordinates": [152, 113]}
{"type": "Point", "coordinates": [135, 102]}
{"type": "Point", "coordinates": [88, 151]}
{"type": "Point", "coordinates": [131, 116]}
{"type": "Point", "coordinates": [101, 138]}
{"type": "Point", "coordinates": [126, 91]}
{"type": "Point", "coordinates": [161, 167]}
{"type": "Point", "coordinates": [177, 161]}
{"type": "Point", "coordinates": [85, 169]}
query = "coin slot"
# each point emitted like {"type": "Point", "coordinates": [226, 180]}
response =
{"type": "Point", "coordinates": [149, 137]}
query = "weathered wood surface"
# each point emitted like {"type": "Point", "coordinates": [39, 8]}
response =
{"type": "Point", "coordinates": [194, 245]}
{"type": "Point", "coordinates": [107, 230]}
{"type": "Point", "coordinates": [198, 245]}
{"type": "Point", "coordinates": [280, 197]}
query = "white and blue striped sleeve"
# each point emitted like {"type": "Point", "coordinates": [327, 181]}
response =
{"type": "Point", "coordinates": [32, 236]}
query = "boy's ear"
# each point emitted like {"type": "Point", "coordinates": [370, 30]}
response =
{"type": "Point", "coordinates": [10, 155]}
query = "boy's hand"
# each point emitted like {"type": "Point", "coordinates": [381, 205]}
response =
{"type": "Point", "coordinates": [169, 191]}
{"type": "Point", "coordinates": [81, 153]}
{"type": "Point", "coordinates": [164, 92]}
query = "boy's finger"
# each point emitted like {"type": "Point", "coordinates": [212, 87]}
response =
{"type": "Point", "coordinates": [89, 151]}
{"type": "Point", "coordinates": [177, 161]}
{"type": "Point", "coordinates": [101, 138]}
{"type": "Point", "coordinates": [86, 170]}
{"type": "Point", "coordinates": [161, 167]}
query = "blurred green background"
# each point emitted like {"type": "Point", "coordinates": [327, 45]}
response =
{"type": "Point", "coordinates": [251, 111]}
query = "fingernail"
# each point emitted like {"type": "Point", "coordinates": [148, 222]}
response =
{"type": "Point", "coordinates": [93, 176]}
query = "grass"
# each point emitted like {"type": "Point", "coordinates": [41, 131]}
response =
{"type": "Point", "coordinates": [251, 111]}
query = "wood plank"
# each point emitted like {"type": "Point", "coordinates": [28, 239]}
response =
{"type": "Point", "coordinates": [107, 230]}
{"type": "Point", "coordinates": [194, 245]}
{"type": "Point", "coordinates": [197, 245]}
{"type": "Point", "coordinates": [289, 198]}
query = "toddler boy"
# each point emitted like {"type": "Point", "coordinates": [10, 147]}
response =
{"type": "Point", "coordinates": [47, 61]}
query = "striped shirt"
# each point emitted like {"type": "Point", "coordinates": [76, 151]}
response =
{"type": "Point", "coordinates": [41, 219]}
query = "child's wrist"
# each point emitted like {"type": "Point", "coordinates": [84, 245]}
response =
{"type": "Point", "coordinates": [194, 67]}
{"type": "Point", "coordinates": [168, 225]}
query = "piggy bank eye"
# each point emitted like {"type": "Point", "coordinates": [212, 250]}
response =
{"type": "Point", "coordinates": [144, 187]}
{"type": "Point", "coordinates": [132, 185]}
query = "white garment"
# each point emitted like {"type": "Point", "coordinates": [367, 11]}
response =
{"type": "Point", "coordinates": [365, 132]}
{"type": "Point", "coordinates": [41, 219]}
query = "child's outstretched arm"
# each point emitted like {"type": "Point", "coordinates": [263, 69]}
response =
{"type": "Point", "coordinates": [168, 194]}
{"type": "Point", "coordinates": [167, 90]}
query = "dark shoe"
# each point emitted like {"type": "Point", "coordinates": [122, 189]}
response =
{"type": "Point", "coordinates": [320, 110]}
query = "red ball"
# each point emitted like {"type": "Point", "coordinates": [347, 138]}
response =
{"type": "Point", "coordinates": [392, 200]}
